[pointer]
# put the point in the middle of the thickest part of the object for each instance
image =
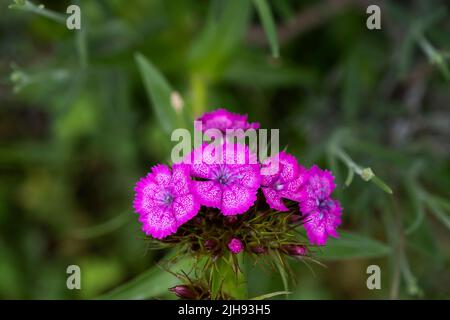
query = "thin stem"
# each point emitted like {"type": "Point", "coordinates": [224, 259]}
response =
{"type": "Point", "coordinates": [38, 9]}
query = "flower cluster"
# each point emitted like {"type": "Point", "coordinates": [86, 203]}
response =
{"type": "Point", "coordinates": [229, 178]}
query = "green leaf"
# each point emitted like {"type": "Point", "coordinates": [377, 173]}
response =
{"type": "Point", "coordinates": [152, 283]}
{"type": "Point", "coordinates": [351, 246]}
{"type": "Point", "coordinates": [265, 14]}
{"type": "Point", "coordinates": [252, 68]}
{"type": "Point", "coordinates": [439, 213]}
{"type": "Point", "coordinates": [103, 228]}
{"type": "Point", "coordinates": [220, 38]}
{"type": "Point", "coordinates": [159, 92]}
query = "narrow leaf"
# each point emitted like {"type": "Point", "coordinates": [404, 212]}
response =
{"type": "Point", "coordinates": [152, 283]}
{"type": "Point", "coordinates": [270, 295]}
{"type": "Point", "coordinates": [351, 246]}
{"type": "Point", "coordinates": [159, 92]}
{"type": "Point", "coordinates": [265, 14]}
{"type": "Point", "coordinates": [439, 213]}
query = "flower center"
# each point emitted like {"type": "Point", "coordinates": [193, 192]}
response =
{"type": "Point", "coordinates": [166, 198]}
{"type": "Point", "coordinates": [278, 186]}
{"type": "Point", "coordinates": [324, 206]}
{"type": "Point", "coordinates": [223, 175]}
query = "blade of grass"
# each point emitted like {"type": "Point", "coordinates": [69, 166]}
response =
{"type": "Point", "coordinates": [265, 14]}
{"type": "Point", "coordinates": [271, 295]}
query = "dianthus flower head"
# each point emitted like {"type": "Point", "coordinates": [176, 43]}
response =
{"type": "Point", "coordinates": [322, 213]}
{"type": "Point", "coordinates": [235, 245]}
{"type": "Point", "coordinates": [227, 176]}
{"type": "Point", "coordinates": [223, 119]}
{"type": "Point", "coordinates": [284, 182]}
{"type": "Point", "coordinates": [164, 200]}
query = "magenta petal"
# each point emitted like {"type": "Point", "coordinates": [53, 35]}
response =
{"type": "Point", "coordinates": [320, 225]}
{"type": "Point", "coordinates": [223, 119]}
{"type": "Point", "coordinates": [315, 228]}
{"type": "Point", "coordinates": [267, 180]}
{"type": "Point", "coordinates": [289, 167]}
{"type": "Point", "coordinates": [159, 223]}
{"type": "Point", "coordinates": [248, 175]}
{"type": "Point", "coordinates": [333, 219]}
{"type": "Point", "coordinates": [209, 193]}
{"type": "Point", "coordinates": [145, 188]}
{"type": "Point", "coordinates": [199, 162]}
{"type": "Point", "coordinates": [180, 179]}
{"type": "Point", "coordinates": [238, 154]}
{"type": "Point", "coordinates": [320, 183]}
{"type": "Point", "coordinates": [162, 174]}
{"type": "Point", "coordinates": [237, 199]}
{"type": "Point", "coordinates": [292, 189]}
{"type": "Point", "coordinates": [184, 208]}
{"type": "Point", "coordinates": [274, 200]}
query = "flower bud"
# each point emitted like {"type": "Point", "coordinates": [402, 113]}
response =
{"type": "Point", "coordinates": [235, 245]}
{"type": "Point", "coordinates": [230, 220]}
{"type": "Point", "coordinates": [195, 246]}
{"type": "Point", "coordinates": [258, 249]}
{"type": "Point", "coordinates": [295, 250]}
{"type": "Point", "coordinates": [197, 220]}
{"type": "Point", "coordinates": [184, 292]}
{"type": "Point", "coordinates": [210, 244]}
{"type": "Point", "coordinates": [295, 218]}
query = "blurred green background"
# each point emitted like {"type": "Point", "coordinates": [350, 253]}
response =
{"type": "Point", "coordinates": [84, 114]}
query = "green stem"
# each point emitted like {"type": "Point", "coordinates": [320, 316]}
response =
{"type": "Point", "coordinates": [38, 9]}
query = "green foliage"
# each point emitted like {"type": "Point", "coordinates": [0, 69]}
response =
{"type": "Point", "coordinates": [159, 92]}
{"type": "Point", "coordinates": [77, 132]}
{"type": "Point", "coordinates": [154, 282]}
{"type": "Point", "coordinates": [353, 246]}
{"type": "Point", "coordinates": [269, 25]}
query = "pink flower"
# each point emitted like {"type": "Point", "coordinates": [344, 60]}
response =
{"type": "Point", "coordinates": [235, 245]}
{"type": "Point", "coordinates": [223, 119]}
{"type": "Point", "coordinates": [164, 200]}
{"type": "Point", "coordinates": [284, 183]}
{"type": "Point", "coordinates": [322, 213]}
{"type": "Point", "coordinates": [228, 176]}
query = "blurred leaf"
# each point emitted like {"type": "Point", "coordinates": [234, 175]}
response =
{"type": "Point", "coordinates": [265, 14]}
{"type": "Point", "coordinates": [351, 246]}
{"type": "Point", "coordinates": [150, 284]}
{"type": "Point", "coordinates": [159, 92]}
{"type": "Point", "coordinates": [439, 213]}
{"type": "Point", "coordinates": [220, 38]}
{"type": "Point", "coordinates": [10, 278]}
{"type": "Point", "coordinates": [254, 69]}
{"type": "Point", "coordinates": [99, 274]}
{"type": "Point", "coordinates": [38, 9]}
{"type": "Point", "coordinates": [104, 228]}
